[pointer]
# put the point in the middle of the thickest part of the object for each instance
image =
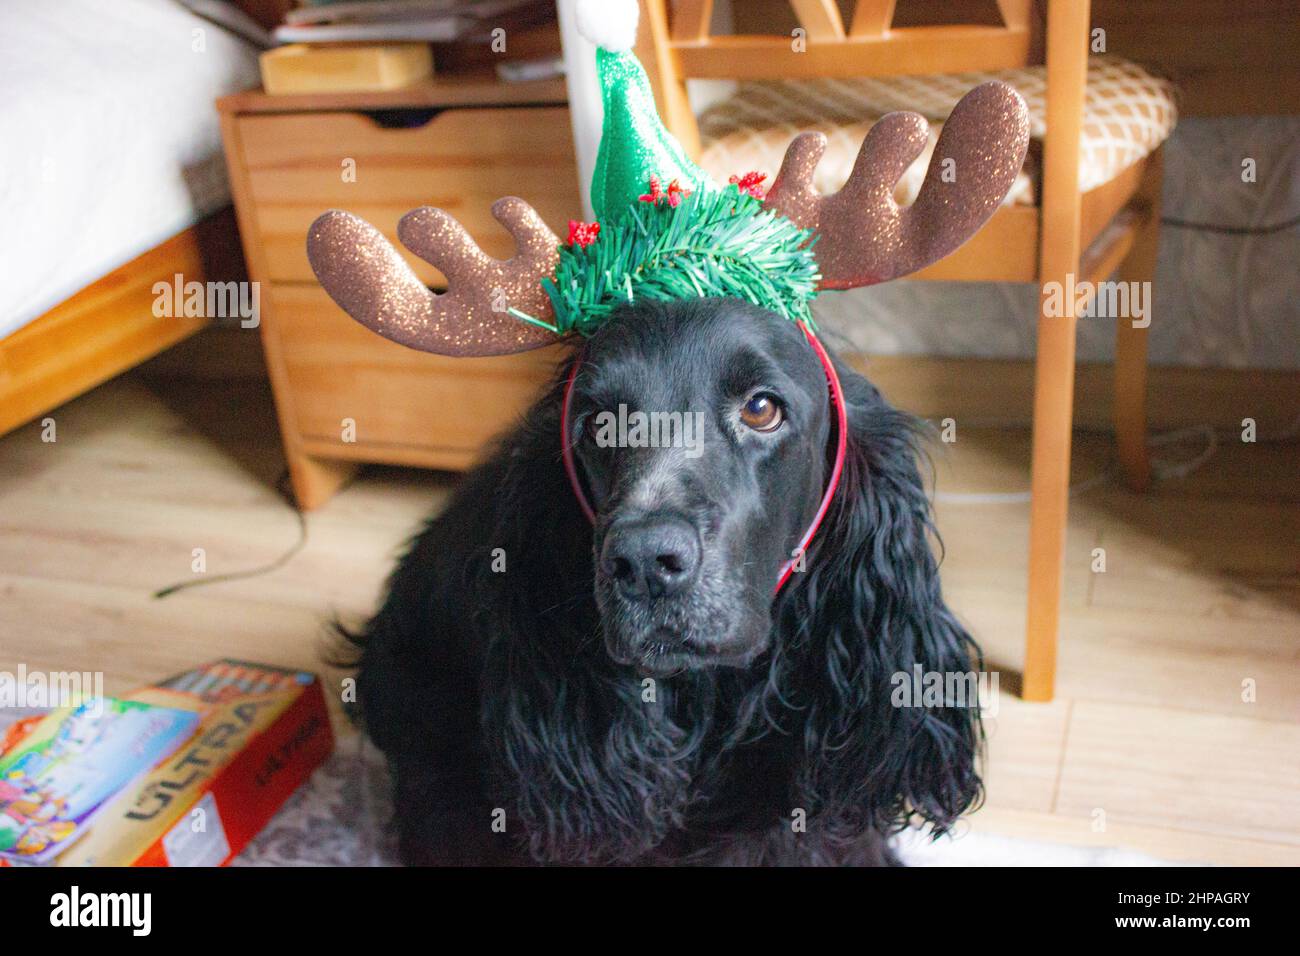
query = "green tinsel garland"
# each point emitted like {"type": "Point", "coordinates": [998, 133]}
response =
{"type": "Point", "coordinates": [711, 244]}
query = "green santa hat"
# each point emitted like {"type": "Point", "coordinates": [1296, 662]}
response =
{"type": "Point", "coordinates": [634, 145]}
{"type": "Point", "coordinates": [664, 229]}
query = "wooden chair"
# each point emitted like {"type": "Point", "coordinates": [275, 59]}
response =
{"type": "Point", "coordinates": [1069, 233]}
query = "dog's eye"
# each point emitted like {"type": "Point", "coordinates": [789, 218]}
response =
{"type": "Point", "coordinates": [762, 412]}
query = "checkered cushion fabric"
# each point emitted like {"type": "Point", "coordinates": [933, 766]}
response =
{"type": "Point", "coordinates": [1128, 112]}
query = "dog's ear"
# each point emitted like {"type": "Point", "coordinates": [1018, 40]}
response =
{"type": "Point", "coordinates": [865, 615]}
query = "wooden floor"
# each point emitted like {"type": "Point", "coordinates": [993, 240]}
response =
{"type": "Point", "coordinates": [1149, 746]}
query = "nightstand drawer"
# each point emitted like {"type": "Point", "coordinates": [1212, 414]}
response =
{"type": "Point", "coordinates": [462, 160]}
{"type": "Point", "coordinates": [407, 407]}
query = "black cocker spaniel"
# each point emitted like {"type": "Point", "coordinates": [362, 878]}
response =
{"type": "Point", "coordinates": [551, 690]}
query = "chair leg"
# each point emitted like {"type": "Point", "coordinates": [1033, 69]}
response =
{"type": "Point", "coordinates": [1049, 508]}
{"type": "Point", "coordinates": [1131, 362]}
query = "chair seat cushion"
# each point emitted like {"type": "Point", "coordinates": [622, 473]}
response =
{"type": "Point", "coordinates": [1128, 112]}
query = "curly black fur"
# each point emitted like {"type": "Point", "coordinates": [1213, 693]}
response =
{"type": "Point", "coordinates": [497, 703]}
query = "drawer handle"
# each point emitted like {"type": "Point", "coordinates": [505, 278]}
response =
{"type": "Point", "coordinates": [409, 118]}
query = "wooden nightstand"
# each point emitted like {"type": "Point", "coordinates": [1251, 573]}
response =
{"type": "Point", "coordinates": [343, 394]}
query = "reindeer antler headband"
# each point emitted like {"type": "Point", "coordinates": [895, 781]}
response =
{"type": "Point", "coordinates": [665, 230]}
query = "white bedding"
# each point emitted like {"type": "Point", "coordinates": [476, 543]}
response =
{"type": "Point", "coordinates": [109, 141]}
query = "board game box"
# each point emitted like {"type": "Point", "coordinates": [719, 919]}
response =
{"type": "Point", "coordinates": [183, 773]}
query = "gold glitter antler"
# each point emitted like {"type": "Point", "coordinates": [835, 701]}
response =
{"type": "Point", "coordinates": [370, 280]}
{"type": "Point", "coordinates": [864, 237]}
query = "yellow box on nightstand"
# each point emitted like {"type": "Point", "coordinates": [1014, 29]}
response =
{"type": "Point", "coordinates": [344, 68]}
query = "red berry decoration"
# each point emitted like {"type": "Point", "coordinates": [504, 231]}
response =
{"type": "Point", "coordinates": [673, 195]}
{"type": "Point", "coordinates": [656, 192]}
{"type": "Point", "coordinates": [583, 234]}
{"type": "Point", "coordinates": [751, 183]}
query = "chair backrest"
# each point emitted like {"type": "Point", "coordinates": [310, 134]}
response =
{"type": "Point", "coordinates": [676, 44]}
{"type": "Point", "coordinates": [869, 45]}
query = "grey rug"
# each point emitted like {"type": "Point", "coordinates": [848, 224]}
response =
{"type": "Point", "coordinates": [340, 818]}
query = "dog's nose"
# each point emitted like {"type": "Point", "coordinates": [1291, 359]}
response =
{"type": "Point", "coordinates": [651, 558]}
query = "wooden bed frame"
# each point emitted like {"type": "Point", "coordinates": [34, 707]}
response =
{"type": "Point", "coordinates": [109, 326]}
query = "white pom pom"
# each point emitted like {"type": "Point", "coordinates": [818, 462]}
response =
{"type": "Point", "coordinates": [610, 24]}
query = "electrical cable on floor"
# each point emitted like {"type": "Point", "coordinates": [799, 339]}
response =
{"type": "Point", "coordinates": [282, 486]}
